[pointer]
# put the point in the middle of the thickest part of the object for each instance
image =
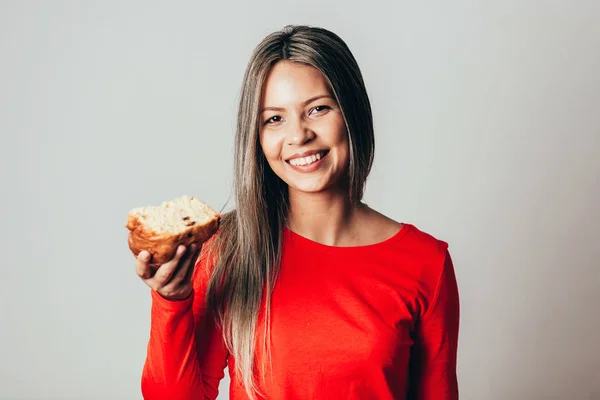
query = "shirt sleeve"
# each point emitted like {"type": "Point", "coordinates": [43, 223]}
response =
{"type": "Point", "coordinates": [433, 358]}
{"type": "Point", "coordinates": [186, 355]}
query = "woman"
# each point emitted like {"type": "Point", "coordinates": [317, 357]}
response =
{"type": "Point", "coordinates": [305, 292]}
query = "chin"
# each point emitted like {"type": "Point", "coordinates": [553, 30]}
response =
{"type": "Point", "coordinates": [308, 189]}
{"type": "Point", "coordinates": [316, 186]}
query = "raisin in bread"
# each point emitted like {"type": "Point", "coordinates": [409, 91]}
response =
{"type": "Point", "coordinates": [161, 229]}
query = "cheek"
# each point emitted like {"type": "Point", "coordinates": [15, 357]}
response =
{"type": "Point", "coordinates": [270, 147]}
{"type": "Point", "coordinates": [336, 131]}
{"type": "Point", "coordinates": [342, 143]}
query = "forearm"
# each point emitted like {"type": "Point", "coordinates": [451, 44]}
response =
{"type": "Point", "coordinates": [171, 369]}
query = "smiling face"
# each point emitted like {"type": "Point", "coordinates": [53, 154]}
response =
{"type": "Point", "coordinates": [302, 129]}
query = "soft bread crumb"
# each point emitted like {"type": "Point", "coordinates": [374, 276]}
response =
{"type": "Point", "coordinates": [174, 216]}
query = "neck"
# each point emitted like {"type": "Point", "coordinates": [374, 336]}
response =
{"type": "Point", "coordinates": [326, 217]}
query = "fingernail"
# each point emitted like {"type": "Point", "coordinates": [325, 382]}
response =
{"type": "Point", "coordinates": [145, 255]}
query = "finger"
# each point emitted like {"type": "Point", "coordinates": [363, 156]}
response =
{"type": "Point", "coordinates": [165, 271]}
{"type": "Point", "coordinates": [186, 266]}
{"type": "Point", "coordinates": [179, 286]}
{"type": "Point", "coordinates": [192, 266]}
{"type": "Point", "coordinates": [142, 268]}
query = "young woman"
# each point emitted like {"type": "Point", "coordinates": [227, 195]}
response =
{"type": "Point", "coordinates": [305, 292]}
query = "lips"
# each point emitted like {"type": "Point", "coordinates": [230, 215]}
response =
{"type": "Point", "coordinates": [307, 158]}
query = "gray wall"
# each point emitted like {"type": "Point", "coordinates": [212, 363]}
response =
{"type": "Point", "coordinates": [488, 134]}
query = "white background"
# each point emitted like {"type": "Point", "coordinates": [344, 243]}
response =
{"type": "Point", "coordinates": [487, 117]}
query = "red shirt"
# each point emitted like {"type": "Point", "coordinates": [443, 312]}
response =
{"type": "Point", "coordinates": [368, 322]}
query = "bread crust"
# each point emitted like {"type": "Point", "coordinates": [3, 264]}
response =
{"type": "Point", "coordinates": [163, 247]}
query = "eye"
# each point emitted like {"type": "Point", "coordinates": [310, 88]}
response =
{"type": "Point", "coordinates": [273, 120]}
{"type": "Point", "coordinates": [320, 109]}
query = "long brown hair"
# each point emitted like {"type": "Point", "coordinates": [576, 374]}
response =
{"type": "Point", "coordinates": [248, 245]}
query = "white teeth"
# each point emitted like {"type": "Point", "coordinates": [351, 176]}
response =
{"type": "Point", "coordinates": [306, 160]}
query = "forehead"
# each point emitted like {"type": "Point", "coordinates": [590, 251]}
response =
{"type": "Point", "coordinates": [290, 83]}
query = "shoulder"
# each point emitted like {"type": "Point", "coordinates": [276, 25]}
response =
{"type": "Point", "coordinates": [375, 227]}
{"type": "Point", "coordinates": [419, 242]}
{"type": "Point", "coordinates": [430, 262]}
{"type": "Point", "coordinates": [425, 253]}
{"type": "Point", "coordinates": [424, 243]}
{"type": "Point", "coordinates": [421, 254]}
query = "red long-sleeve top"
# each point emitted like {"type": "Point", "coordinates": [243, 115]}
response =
{"type": "Point", "coordinates": [368, 322]}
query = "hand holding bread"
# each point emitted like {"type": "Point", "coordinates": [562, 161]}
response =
{"type": "Point", "coordinates": [172, 280]}
{"type": "Point", "coordinates": [166, 241]}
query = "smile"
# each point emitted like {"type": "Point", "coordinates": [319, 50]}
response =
{"type": "Point", "coordinates": [308, 160]}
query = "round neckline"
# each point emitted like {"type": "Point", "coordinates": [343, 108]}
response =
{"type": "Point", "coordinates": [396, 236]}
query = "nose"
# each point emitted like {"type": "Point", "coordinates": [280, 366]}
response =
{"type": "Point", "coordinates": [299, 134]}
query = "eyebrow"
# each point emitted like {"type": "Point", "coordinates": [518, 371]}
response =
{"type": "Point", "coordinates": [321, 96]}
